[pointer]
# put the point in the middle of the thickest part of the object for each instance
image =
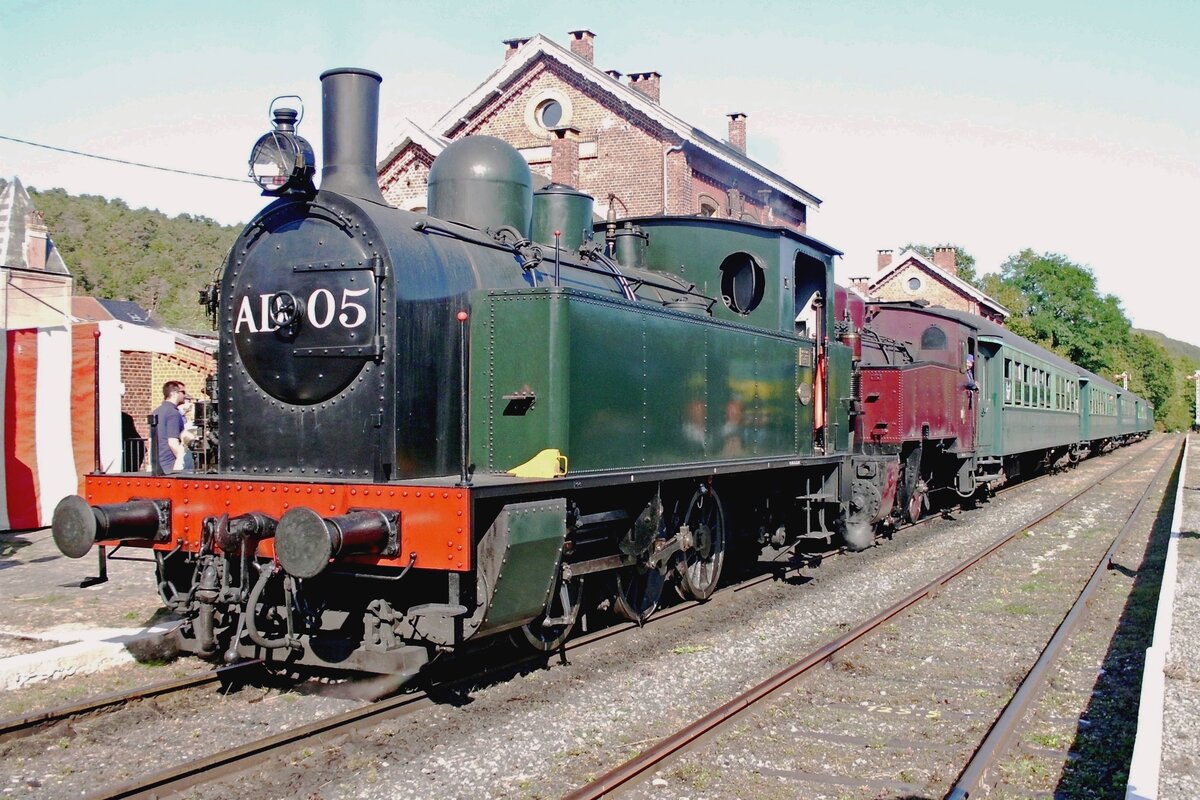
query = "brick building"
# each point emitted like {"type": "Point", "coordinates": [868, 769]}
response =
{"type": "Point", "coordinates": [137, 358]}
{"type": "Point", "coordinates": [602, 133]}
{"type": "Point", "coordinates": [914, 277]}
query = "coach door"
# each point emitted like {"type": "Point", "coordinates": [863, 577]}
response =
{"type": "Point", "coordinates": [969, 391]}
{"type": "Point", "coordinates": [989, 367]}
{"type": "Point", "coordinates": [814, 309]}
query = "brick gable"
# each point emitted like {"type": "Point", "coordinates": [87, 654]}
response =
{"type": "Point", "coordinates": [625, 148]}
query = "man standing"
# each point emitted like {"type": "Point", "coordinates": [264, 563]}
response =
{"type": "Point", "coordinates": [171, 452]}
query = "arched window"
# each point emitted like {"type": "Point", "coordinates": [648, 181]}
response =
{"type": "Point", "coordinates": [934, 338]}
{"type": "Point", "coordinates": [709, 207]}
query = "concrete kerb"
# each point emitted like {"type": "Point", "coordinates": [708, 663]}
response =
{"type": "Point", "coordinates": [1147, 750]}
{"type": "Point", "coordinates": [82, 652]}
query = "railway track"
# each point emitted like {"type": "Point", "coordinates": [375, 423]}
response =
{"type": "Point", "coordinates": [246, 757]}
{"type": "Point", "coordinates": [29, 724]}
{"type": "Point", "coordinates": [851, 710]}
{"type": "Point", "coordinates": [215, 766]}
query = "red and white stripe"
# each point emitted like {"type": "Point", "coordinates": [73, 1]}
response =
{"type": "Point", "coordinates": [48, 437]}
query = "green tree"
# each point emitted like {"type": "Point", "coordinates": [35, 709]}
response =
{"type": "Point", "coordinates": [964, 262]}
{"type": "Point", "coordinates": [1178, 412]}
{"type": "Point", "coordinates": [1151, 370]}
{"type": "Point", "coordinates": [119, 253]}
{"type": "Point", "coordinates": [1064, 311]}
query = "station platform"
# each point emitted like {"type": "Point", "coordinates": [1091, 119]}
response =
{"type": "Point", "coordinates": [51, 628]}
{"type": "Point", "coordinates": [1166, 756]}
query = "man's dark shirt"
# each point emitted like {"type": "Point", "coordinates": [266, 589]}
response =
{"type": "Point", "coordinates": [170, 426]}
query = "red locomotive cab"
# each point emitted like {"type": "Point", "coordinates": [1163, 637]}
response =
{"type": "Point", "coordinates": [920, 397]}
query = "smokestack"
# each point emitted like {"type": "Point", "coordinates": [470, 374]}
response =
{"type": "Point", "coordinates": [883, 259]}
{"type": "Point", "coordinates": [37, 240]}
{"type": "Point", "coordinates": [647, 83]}
{"type": "Point", "coordinates": [511, 46]}
{"type": "Point", "coordinates": [583, 44]}
{"type": "Point", "coordinates": [945, 259]}
{"type": "Point", "coordinates": [564, 157]}
{"type": "Point", "coordinates": [350, 113]}
{"type": "Point", "coordinates": [737, 130]}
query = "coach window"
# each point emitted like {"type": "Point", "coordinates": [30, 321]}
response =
{"type": "Point", "coordinates": [1018, 384]}
{"type": "Point", "coordinates": [743, 282]}
{"type": "Point", "coordinates": [1008, 395]}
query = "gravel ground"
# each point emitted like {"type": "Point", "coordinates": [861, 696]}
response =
{"type": "Point", "coordinates": [540, 734]}
{"type": "Point", "coordinates": [901, 712]}
{"type": "Point", "coordinates": [1180, 776]}
{"type": "Point", "coordinates": [77, 757]}
{"type": "Point", "coordinates": [40, 590]}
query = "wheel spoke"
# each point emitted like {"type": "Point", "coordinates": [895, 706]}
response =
{"type": "Point", "coordinates": [563, 608]}
{"type": "Point", "coordinates": [701, 570]}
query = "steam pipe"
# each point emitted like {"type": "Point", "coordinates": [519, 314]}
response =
{"type": "Point", "coordinates": [350, 132]}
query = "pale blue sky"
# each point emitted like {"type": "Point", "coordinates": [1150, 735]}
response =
{"type": "Point", "coordinates": [1064, 126]}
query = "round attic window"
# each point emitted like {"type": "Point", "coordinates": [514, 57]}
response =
{"type": "Point", "coordinates": [550, 114]}
{"type": "Point", "coordinates": [914, 284]}
{"type": "Point", "coordinates": [546, 111]}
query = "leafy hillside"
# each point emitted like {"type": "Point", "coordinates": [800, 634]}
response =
{"type": "Point", "coordinates": [120, 253]}
{"type": "Point", "coordinates": [1175, 348]}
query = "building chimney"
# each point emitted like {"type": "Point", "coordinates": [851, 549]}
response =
{"type": "Point", "coordinates": [737, 131]}
{"type": "Point", "coordinates": [511, 46]}
{"type": "Point", "coordinates": [945, 259]}
{"type": "Point", "coordinates": [861, 284]}
{"type": "Point", "coordinates": [37, 240]}
{"type": "Point", "coordinates": [583, 44]}
{"type": "Point", "coordinates": [648, 83]}
{"type": "Point", "coordinates": [883, 259]}
{"type": "Point", "coordinates": [564, 156]}
{"type": "Point", "coordinates": [614, 74]}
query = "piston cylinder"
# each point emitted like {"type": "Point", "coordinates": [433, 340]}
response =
{"type": "Point", "coordinates": [249, 529]}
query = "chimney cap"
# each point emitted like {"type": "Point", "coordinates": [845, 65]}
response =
{"type": "Point", "coordinates": [615, 74]}
{"type": "Point", "coordinates": [578, 34]}
{"type": "Point", "coordinates": [736, 115]}
{"type": "Point", "coordinates": [641, 76]}
{"type": "Point", "coordinates": [517, 42]}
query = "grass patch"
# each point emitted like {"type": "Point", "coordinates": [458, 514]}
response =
{"type": "Point", "coordinates": [1020, 609]}
{"type": "Point", "coordinates": [1054, 741]}
{"type": "Point", "coordinates": [697, 776]}
{"type": "Point", "coordinates": [1026, 767]}
{"type": "Point", "coordinates": [1039, 583]}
